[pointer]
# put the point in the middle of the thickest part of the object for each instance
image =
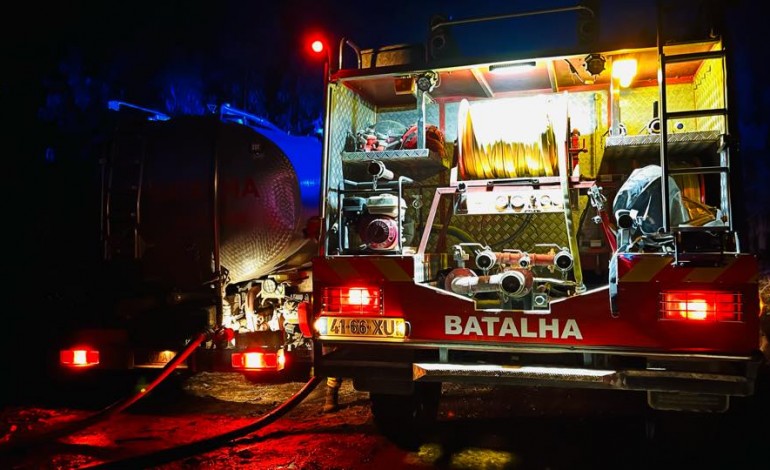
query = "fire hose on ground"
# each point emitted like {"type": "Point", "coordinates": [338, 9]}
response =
{"type": "Point", "coordinates": [173, 453]}
{"type": "Point", "coordinates": [72, 427]}
{"type": "Point", "coordinates": [204, 445]}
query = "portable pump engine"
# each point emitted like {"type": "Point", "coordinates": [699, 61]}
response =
{"type": "Point", "coordinates": [377, 219]}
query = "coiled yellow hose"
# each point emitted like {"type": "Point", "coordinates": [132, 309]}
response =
{"type": "Point", "coordinates": [501, 159]}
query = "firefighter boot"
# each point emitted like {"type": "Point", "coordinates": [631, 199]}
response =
{"type": "Point", "coordinates": [331, 403]}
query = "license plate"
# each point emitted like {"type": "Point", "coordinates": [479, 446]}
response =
{"type": "Point", "coordinates": [155, 359]}
{"type": "Point", "coordinates": [365, 327]}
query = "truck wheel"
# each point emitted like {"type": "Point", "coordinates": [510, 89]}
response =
{"type": "Point", "coordinates": [405, 419]}
{"type": "Point", "coordinates": [678, 438]}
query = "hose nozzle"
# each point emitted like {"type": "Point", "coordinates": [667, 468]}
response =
{"type": "Point", "coordinates": [379, 171]}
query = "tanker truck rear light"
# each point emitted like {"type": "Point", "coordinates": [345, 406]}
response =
{"type": "Point", "coordinates": [352, 301]}
{"type": "Point", "coordinates": [255, 360]}
{"type": "Point", "coordinates": [701, 306]}
{"type": "Point", "coordinates": [79, 357]}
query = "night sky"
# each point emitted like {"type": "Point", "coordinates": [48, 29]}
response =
{"type": "Point", "coordinates": [64, 60]}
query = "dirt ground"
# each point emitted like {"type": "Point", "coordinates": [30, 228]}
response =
{"type": "Point", "coordinates": [209, 404]}
{"type": "Point", "coordinates": [476, 433]}
{"type": "Point", "coordinates": [479, 428]}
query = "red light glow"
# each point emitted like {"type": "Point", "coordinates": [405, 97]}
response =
{"type": "Point", "coordinates": [317, 46]}
{"type": "Point", "coordinates": [80, 357]}
{"type": "Point", "coordinates": [353, 300]}
{"type": "Point", "coordinates": [701, 306]}
{"type": "Point", "coordinates": [257, 361]}
{"type": "Point", "coordinates": [695, 309]}
{"type": "Point", "coordinates": [357, 297]}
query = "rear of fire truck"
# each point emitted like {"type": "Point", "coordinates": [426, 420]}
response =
{"type": "Point", "coordinates": [539, 230]}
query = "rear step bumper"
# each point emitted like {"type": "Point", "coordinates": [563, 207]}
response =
{"type": "Point", "coordinates": [550, 376]}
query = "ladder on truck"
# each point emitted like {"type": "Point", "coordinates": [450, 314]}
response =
{"type": "Point", "coordinates": [722, 168]}
{"type": "Point", "coordinates": [122, 193]}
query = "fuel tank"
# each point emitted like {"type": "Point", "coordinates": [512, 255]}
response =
{"type": "Point", "coordinates": [208, 187]}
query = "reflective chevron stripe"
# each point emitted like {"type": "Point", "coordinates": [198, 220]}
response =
{"type": "Point", "coordinates": [370, 268]}
{"type": "Point", "coordinates": [643, 269]}
{"type": "Point", "coordinates": [651, 268]}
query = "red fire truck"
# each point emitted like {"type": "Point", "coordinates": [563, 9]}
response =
{"type": "Point", "coordinates": [557, 217]}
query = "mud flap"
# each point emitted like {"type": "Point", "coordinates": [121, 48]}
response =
{"type": "Point", "coordinates": [695, 402]}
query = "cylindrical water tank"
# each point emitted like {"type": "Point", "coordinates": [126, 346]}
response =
{"type": "Point", "coordinates": [267, 188]}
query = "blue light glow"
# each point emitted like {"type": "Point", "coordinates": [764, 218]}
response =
{"type": "Point", "coordinates": [154, 115]}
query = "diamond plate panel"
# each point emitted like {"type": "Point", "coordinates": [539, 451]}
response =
{"type": "Point", "coordinates": [588, 112]}
{"type": "Point", "coordinates": [636, 106]}
{"type": "Point", "coordinates": [698, 135]}
{"type": "Point", "coordinates": [349, 113]}
{"type": "Point", "coordinates": [498, 231]}
{"type": "Point", "coordinates": [708, 88]}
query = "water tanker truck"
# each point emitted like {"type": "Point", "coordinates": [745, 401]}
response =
{"type": "Point", "coordinates": [204, 227]}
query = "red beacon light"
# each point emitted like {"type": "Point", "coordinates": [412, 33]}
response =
{"type": "Point", "coordinates": [317, 46]}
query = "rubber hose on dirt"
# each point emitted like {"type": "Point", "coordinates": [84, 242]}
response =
{"type": "Point", "coordinates": [204, 445]}
{"type": "Point", "coordinates": [100, 416]}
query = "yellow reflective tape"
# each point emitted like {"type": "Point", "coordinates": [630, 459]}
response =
{"type": "Point", "coordinates": [709, 274]}
{"type": "Point", "coordinates": [704, 274]}
{"type": "Point", "coordinates": [646, 268]}
{"type": "Point", "coordinates": [391, 270]}
{"type": "Point", "coordinates": [343, 269]}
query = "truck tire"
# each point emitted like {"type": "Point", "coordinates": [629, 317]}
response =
{"type": "Point", "coordinates": [406, 419]}
{"type": "Point", "coordinates": [678, 438]}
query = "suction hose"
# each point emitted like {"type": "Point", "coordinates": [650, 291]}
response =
{"type": "Point", "coordinates": [205, 445]}
{"type": "Point", "coordinates": [111, 410]}
{"type": "Point", "coordinates": [453, 230]}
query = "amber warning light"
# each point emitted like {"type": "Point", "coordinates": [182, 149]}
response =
{"type": "Point", "coordinates": [80, 357]}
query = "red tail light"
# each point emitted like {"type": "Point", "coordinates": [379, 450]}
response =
{"type": "Point", "coordinates": [353, 300]}
{"type": "Point", "coordinates": [252, 360]}
{"type": "Point", "coordinates": [79, 357]}
{"type": "Point", "coordinates": [703, 306]}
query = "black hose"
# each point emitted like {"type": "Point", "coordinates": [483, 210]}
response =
{"type": "Point", "coordinates": [453, 230]}
{"type": "Point", "coordinates": [498, 246]}
{"type": "Point", "coordinates": [205, 445]}
{"type": "Point", "coordinates": [111, 410]}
